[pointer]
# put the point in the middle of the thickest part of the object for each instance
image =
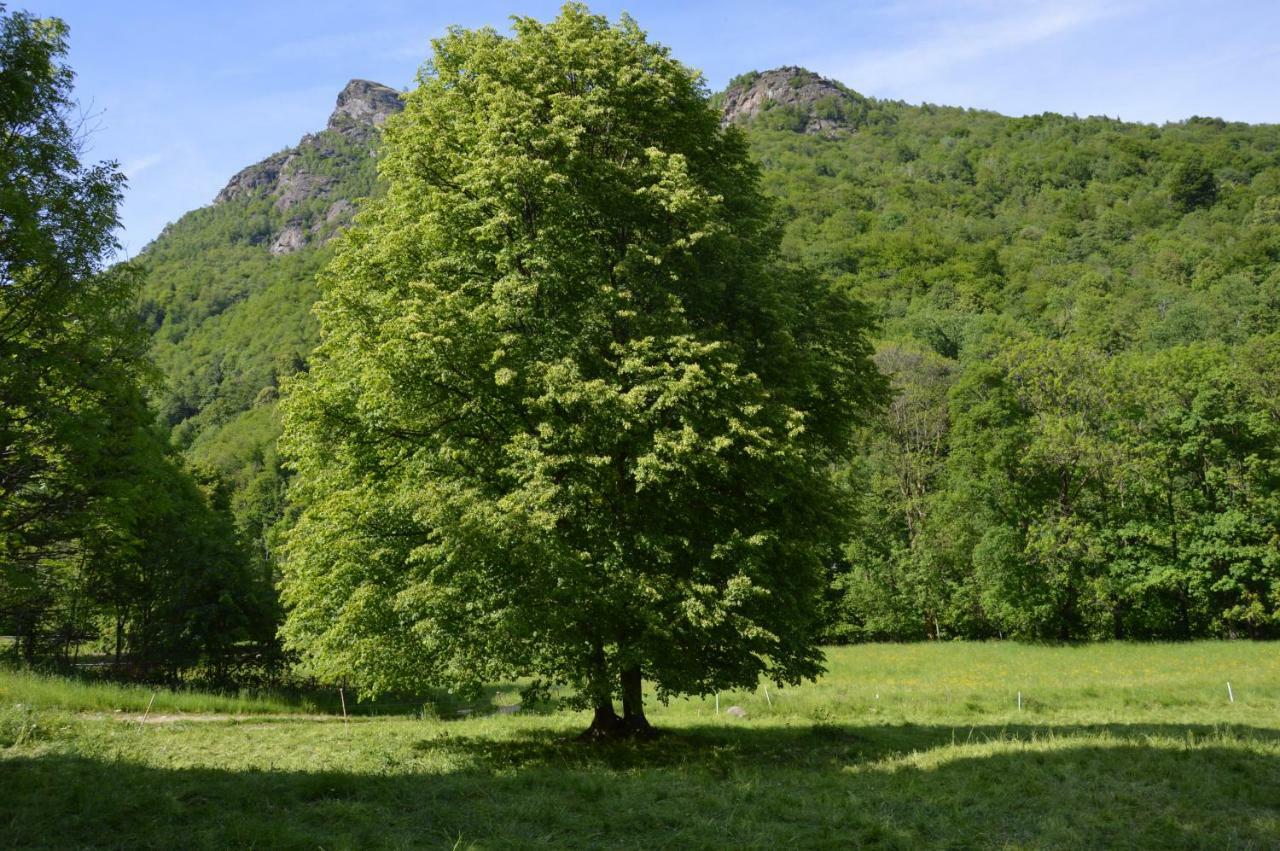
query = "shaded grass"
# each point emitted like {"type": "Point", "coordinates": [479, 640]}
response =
{"type": "Point", "coordinates": [1117, 746]}
{"type": "Point", "coordinates": [390, 783]}
{"type": "Point", "coordinates": [97, 695]}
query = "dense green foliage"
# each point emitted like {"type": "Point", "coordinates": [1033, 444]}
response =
{"type": "Point", "coordinates": [988, 247]}
{"type": "Point", "coordinates": [1077, 316]}
{"type": "Point", "coordinates": [959, 224]}
{"type": "Point", "coordinates": [1056, 492]}
{"type": "Point", "coordinates": [104, 536]}
{"type": "Point", "coordinates": [570, 417]}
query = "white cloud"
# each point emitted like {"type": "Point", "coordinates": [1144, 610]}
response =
{"type": "Point", "coordinates": [134, 167]}
{"type": "Point", "coordinates": [968, 31]}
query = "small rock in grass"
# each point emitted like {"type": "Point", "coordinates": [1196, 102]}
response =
{"type": "Point", "coordinates": [736, 712]}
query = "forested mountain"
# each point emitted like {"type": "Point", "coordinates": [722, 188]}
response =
{"type": "Point", "coordinates": [1077, 315]}
{"type": "Point", "coordinates": [228, 293]}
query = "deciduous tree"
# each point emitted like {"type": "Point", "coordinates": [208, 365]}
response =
{"type": "Point", "coordinates": [570, 417]}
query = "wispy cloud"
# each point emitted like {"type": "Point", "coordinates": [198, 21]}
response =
{"type": "Point", "coordinates": [956, 33]}
{"type": "Point", "coordinates": [134, 167]}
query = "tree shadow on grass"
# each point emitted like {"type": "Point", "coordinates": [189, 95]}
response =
{"type": "Point", "coordinates": [810, 746]}
{"type": "Point", "coordinates": [829, 786]}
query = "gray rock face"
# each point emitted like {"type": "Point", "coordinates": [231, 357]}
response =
{"type": "Point", "coordinates": [326, 227]}
{"type": "Point", "coordinates": [291, 180]}
{"type": "Point", "coordinates": [297, 185]}
{"type": "Point", "coordinates": [289, 240]}
{"type": "Point", "coordinates": [259, 178]}
{"type": "Point", "coordinates": [362, 107]}
{"type": "Point", "coordinates": [339, 210]}
{"type": "Point", "coordinates": [816, 104]}
{"type": "Point", "coordinates": [362, 103]}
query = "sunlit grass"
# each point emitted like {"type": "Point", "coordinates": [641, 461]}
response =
{"type": "Point", "coordinates": [897, 746]}
{"type": "Point", "coordinates": [1099, 683]}
{"type": "Point", "coordinates": [57, 692]}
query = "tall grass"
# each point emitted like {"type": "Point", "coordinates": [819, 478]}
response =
{"type": "Point", "coordinates": [915, 683]}
{"type": "Point", "coordinates": [966, 682]}
{"type": "Point", "coordinates": [45, 691]}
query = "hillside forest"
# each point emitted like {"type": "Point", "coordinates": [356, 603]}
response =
{"type": "Point", "coordinates": [1075, 320]}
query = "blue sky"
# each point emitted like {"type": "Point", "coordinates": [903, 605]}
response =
{"type": "Point", "coordinates": [187, 93]}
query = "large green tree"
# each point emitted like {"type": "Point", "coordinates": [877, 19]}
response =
{"type": "Point", "coordinates": [102, 531]}
{"type": "Point", "coordinates": [67, 339]}
{"type": "Point", "coordinates": [570, 417]}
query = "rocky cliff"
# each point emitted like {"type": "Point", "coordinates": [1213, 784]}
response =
{"type": "Point", "coordinates": [362, 104]}
{"type": "Point", "coordinates": [792, 98]}
{"type": "Point", "coordinates": [295, 178]}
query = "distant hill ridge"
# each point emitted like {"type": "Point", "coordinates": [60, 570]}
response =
{"type": "Point", "coordinates": [952, 224]}
{"type": "Point", "coordinates": [798, 98]}
{"type": "Point", "coordinates": [813, 103]}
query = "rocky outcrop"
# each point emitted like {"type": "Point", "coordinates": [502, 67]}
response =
{"type": "Point", "coordinates": [291, 239]}
{"type": "Point", "coordinates": [364, 104]}
{"type": "Point", "coordinates": [308, 172]}
{"type": "Point", "coordinates": [256, 179]}
{"type": "Point", "coordinates": [297, 185]}
{"type": "Point", "coordinates": [795, 98]}
{"type": "Point", "coordinates": [339, 211]}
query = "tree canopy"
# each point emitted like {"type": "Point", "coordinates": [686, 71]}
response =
{"type": "Point", "coordinates": [105, 536]}
{"type": "Point", "coordinates": [570, 417]}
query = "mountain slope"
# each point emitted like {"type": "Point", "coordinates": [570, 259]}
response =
{"type": "Point", "coordinates": [958, 227]}
{"type": "Point", "coordinates": [950, 221]}
{"type": "Point", "coordinates": [229, 288]}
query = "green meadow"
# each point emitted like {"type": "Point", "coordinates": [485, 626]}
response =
{"type": "Point", "coordinates": [1115, 745]}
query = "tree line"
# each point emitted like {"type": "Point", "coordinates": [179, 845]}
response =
{"type": "Point", "coordinates": [1048, 490]}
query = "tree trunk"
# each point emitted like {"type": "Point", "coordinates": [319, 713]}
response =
{"type": "Point", "coordinates": [633, 720]}
{"type": "Point", "coordinates": [605, 725]}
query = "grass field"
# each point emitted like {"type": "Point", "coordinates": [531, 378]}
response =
{"type": "Point", "coordinates": [898, 746]}
{"type": "Point", "coordinates": [46, 692]}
